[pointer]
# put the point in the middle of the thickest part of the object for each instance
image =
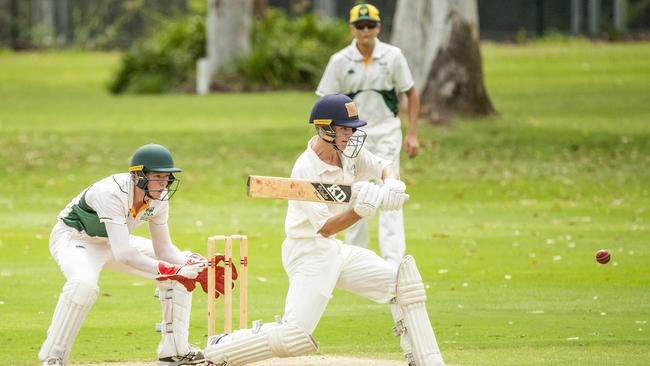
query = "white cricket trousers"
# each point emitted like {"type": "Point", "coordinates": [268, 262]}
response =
{"type": "Point", "coordinates": [392, 241]}
{"type": "Point", "coordinates": [316, 266]}
{"type": "Point", "coordinates": [81, 259]}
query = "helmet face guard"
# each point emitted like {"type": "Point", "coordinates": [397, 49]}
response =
{"type": "Point", "coordinates": [142, 182]}
{"type": "Point", "coordinates": [154, 158]}
{"type": "Point", "coordinates": [327, 134]}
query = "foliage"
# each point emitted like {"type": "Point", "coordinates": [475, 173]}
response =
{"type": "Point", "coordinates": [504, 219]}
{"type": "Point", "coordinates": [90, 25]}
{"type": "Point", "coordinates": [287, 52]}
{"type": "Point", "coordinates": [165, 62]}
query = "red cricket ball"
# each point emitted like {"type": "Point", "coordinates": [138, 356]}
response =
{"type": "Point", "coordinates": [603, 256]}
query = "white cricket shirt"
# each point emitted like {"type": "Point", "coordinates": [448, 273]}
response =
{"type": "Point", "coordinates": [304, 219]}
{"type": "Point", "coordinates": [347, 73]}
{"type": "Point", "coordinates": [109, 201]}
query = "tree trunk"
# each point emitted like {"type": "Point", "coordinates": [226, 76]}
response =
{"type": "Point", "coordinates": [260, 8]}
{"type": "Point", "coordinates": [440, 40]}
{"type": "Point", "coordinates": [229, 26]}
{"type": "Point", "coordinates": [43, 31]}
{"type": "Point", "coordinates": [326, 8]}
{"type": "Point", "coordinates": [228, 37]}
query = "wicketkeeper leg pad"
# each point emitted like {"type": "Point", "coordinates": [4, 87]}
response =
{"type": "Point", "coordinates": [75, 301]}
{"type": "Point", "coordinates": [415, 324]}
{"type": "Point", "coordinates": [176, 304]}
{"type": "Point", "coordinates": [246, 346]}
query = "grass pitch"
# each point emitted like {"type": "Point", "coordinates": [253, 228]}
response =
{"type": "Point", "coordinates": [505, 217]}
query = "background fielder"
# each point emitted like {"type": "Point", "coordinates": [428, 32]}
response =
{"type": "Point", "coordinates": [92, 232]}
{"type": "Point", "coordinates": [372, 73]}
{"type": "Point", "coordinates": [316, 262]}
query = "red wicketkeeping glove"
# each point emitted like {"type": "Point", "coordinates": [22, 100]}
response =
{"type": "Point", "coordinates": [185, 274]}
{"type": "Point", "coordinates": [202, 278]}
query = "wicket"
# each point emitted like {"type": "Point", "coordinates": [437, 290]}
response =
{"type": "Point", "coordinates": [227, 295]}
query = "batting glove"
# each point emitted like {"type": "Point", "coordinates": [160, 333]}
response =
{"type": "Point", "coordinates": [394, 195]}
{"type": "Point", "coordinates": [368, 199]}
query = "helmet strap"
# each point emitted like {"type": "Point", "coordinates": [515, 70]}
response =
{"type": "Point", "coordinates": [141, 181]}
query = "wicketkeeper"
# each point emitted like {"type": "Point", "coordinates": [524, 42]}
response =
{"type": "Point", "coordinates": [317, 262]}
{"type": "Point", "coordinates": [93, 232]}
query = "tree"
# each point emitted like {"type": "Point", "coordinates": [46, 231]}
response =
{"type": "Point", "coordinates": [440, 39]}
{"type": "Point", "coordinates": [228, 30]}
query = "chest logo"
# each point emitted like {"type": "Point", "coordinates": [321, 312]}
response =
{"type": "Point", "coordinates": [147, 214]}
{"type": "Point", "coordinates": [352, 169]}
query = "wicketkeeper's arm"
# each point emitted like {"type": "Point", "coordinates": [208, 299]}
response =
{"type": "Point", "coordinates": [163, 247]}
{"type": "Point", "coordinates": [124, 252]}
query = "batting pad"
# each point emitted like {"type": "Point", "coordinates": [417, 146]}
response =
{"type": "Point", "coordinates": [176, 304]}
{"type": "Point", "coordinates": [75, 301]}
{"type": "Point", "coordinates": [282, 340]}
{"type": "Point", "coordinates": [415, 323]}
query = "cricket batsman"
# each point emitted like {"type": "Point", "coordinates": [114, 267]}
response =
{"type": "Point", "coordinates": [373, 74]}
{"type": "Point", "coordinates": [93, 232]}
{"type": "Point", "coordinates": [316, 262]}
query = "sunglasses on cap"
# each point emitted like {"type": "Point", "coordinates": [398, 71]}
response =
{"type": "Point", "coordinates": [369, 25]}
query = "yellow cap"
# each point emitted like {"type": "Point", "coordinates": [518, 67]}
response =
{"type": "Point", "coordinates": [364, 12]}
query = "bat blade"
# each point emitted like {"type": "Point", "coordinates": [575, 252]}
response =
{"type": "Point", "coordinates": [297, 189]}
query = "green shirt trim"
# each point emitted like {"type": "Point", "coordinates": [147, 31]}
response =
{"type": "Point", "coordinates": [389, 96]}
{"type": "Point", "coordinates": [83, 218]}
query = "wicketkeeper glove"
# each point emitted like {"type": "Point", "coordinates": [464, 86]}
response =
{"type": "Point", "coordinates": [368, 199]}
{"type": "Point", "coordinates": [185, 274]}
{"type": "Point", "coordinates": [394, 195]}
{"type": "Point", "coordinates": [218, 274]}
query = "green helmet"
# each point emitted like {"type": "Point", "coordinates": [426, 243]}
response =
{"type": "Point", "coordinates": [154, 158]}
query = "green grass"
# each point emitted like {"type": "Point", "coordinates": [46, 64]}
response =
{"type": "Point", "coordinates": [505, 217]}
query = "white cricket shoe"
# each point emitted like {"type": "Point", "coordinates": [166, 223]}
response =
{"type": "Point", "coordinates": [195, 356]}
{"type": "Point", "coordinates": [53, 361]}
{"type": "Point", "coordinates": [212, 340]}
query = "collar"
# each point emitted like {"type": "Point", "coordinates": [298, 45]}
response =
{"type": "Point", "coordinates": [142, 208]}
{"type": "Point", "coordinates": [316, 162]}
{"type": "Point", "coordinates": [353, 53]}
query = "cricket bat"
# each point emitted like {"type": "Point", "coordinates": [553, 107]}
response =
{"type": "Point", "coordinates": [297, 189]}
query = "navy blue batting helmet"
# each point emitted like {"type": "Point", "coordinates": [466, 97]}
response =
{"type": "Point", "coordinates": [336, 110]}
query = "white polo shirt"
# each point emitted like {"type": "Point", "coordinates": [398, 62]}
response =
{"type": "Point", "coordinates": [304, 219]}
{"type": "Point", "coordinates": [109, 200]}
{"type": "Point", "coordinates": [347, 73]}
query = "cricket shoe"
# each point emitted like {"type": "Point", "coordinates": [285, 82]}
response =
{"type": "Point", "coordinates": [193, 357]}
{"type": "Point", "coordinates": [212, 340]}
{"type": "Point", "coordinates": [53, 361]}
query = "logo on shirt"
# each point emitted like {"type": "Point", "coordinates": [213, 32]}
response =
{"type": "Point", "coordinates": [147, 214]}
{"type": "Point", "coordinates": [352, 169]}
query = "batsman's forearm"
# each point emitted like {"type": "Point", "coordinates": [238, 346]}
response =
{"type": "Point", "coordinates": [338, 223]}
{"type": "Point", "coordinates": [389, 173]}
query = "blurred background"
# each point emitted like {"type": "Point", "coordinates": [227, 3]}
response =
{"type": "Point", "coordinates": [287, 42]}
